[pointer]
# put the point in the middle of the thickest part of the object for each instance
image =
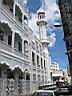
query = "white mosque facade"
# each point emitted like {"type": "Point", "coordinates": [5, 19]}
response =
{"type": "Point", "coordinates": [24, 59]}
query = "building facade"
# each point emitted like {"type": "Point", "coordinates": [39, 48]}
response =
{"type": "Point", "coordinates": [24, 59]}
{"type": "Point", "coordinates": [56, 73]}
{"type": "Point", "coordinates": [55, 66]}
{"type": "Point", "coordinates": [66, 15]}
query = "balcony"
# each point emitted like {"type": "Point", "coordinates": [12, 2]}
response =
{"type": "Point", "coordinates": [18, 22]}
{"type": "Point", "coordinates": [42, 70]}
{"type": "Point", "coordinates": [20, 54]}
{"type": "Point", "coordinates": [34, 66]}
{"type": "Point", "coordinates": [38, 69]}
{"type": "Point", "coordinates": [5, 47]}
{"type": "Point", "coordinates": [9, 14]}
{"type": "Point", "coordinates": [33, 45]}
{"type": "Point", "coordinates": [7, 11]}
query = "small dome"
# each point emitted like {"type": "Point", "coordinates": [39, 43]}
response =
{"type": "Point", "coordinates": [41, 10]}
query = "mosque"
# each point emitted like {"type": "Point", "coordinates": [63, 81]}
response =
{"type": "Point", "coordinates": [24, 58]}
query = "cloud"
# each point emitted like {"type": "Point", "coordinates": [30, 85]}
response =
{"type": "Point", "coordinates": [32, 23]}
{"type": "Point", "coordinates": [52, 39]}
{"type": "Point", "coordinates": [50, 7]}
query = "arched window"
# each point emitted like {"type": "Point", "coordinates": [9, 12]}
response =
{"type": "Point", "coordinates": [18, 13]}
{"type": "Point", "coordinates": [5, 33]}
{"type": "Point", "coordinates": [44, 64]}
{"type": "Point", "coordinates": [10, 39]}
{"type": "Point", "coordinates": [40, 16]}
{"type": "Point", "coordinates": [41, 63]}
{"type": "Point", "coordinates": [0, 72]}
{"type": "Point", "coordinates": [18, 42]}
{"type": "Point", "coordinates": [38, 61]}
{"type": "Point", "coordinates": [27, 76]}
{"type": "Point", "coordinates": [25, 19]}
{"type": "Point", "coordinates": [39, 78]}
{"type": "Point", "coordinates": [25, 46]}
{"type": "Point", "coordinates": [33, 58]}
{"type": "Point", "coordinates": [1, 34]}
{"type": "Point", "coordinates": [19, 46]}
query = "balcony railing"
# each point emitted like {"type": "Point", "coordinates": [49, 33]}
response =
{"type": "Point", "coordinates": [42, 70]}
{"type": "Point", "coordinates": [11, 87]}
{"type": "Point", "coordinates": [20, 54]}
{"type": "Point", "coordinates": [9, 14]}
{"type": "Point", "coordinates": [7, 11]}
{"type": "Point", "coordinates": [38, 69]}
{"type": "Point", "coordinates": [34, 66]}
{"type": "Point", "coordinates": [4, 46]}
{"type": "Point", "coordinates": [18, 22]}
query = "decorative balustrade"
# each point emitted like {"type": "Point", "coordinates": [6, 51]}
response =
{"type": "Point", "coordinates": [19, 87]}
{"type": "Point", "coordinates": [42, 70]}
{"type": "Point", "coordinates": [33, 45]}
{"type": "Point", "coordinates": [18, 22]}
{"type": "Point", "coordinates": [5, 46]}
{"type": "Point", "coordinates": [7, 10]}
{"type": "Point", "coordinates": [11, 87]}
{"type": "Point", "coordinates": [34, 66]}
{"type": "Point", "coordinates": [38, 69]}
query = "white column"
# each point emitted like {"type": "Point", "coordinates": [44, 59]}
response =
{"type": "Point", "coordinates": [13, 37]}
{"type": "Point", "coordinates": [14, 9]}
{"type": "Point", "coordinates": [22, 46]}
{"type": "Point", "coordinates": [28, 24]}
{"type": "Point", "coordinates": [23, 20]}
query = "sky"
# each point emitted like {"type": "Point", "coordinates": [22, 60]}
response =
{"type": "Point", "coordinates": [57, 47]}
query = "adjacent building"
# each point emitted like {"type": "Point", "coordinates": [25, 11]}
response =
{"type": "Point", "coordinates": [66, 15]}
{"type": "Point", "coordinates": [24, 58]}
{"type": "Point", "coordinates": [56, 73]}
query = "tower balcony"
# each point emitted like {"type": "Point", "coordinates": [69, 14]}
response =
{"type": "Point", "coordinates": [41, 21]}
{"type": "Point", "coordinates": [44, 41]}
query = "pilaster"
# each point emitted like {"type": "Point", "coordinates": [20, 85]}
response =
{"type": "Point", "coordinates": [13, 37]}
{"type": "Point", "coordinates": [23, 20]}
{"type": "Point", "coordinates": [23, 46]}
{"type": "Point", "coordinates": [14, 10]}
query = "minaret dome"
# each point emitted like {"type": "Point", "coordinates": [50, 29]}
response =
{"type": "Point", "coordinates": [41, 17]}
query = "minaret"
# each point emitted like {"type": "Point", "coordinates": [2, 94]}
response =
{"type": "Point", "coordinates": [41, 22]}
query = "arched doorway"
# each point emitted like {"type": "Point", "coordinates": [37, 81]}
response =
{"type": "Point", "coordinates": [27, 80]}
{"type": "Point", "coordinates": [18, 76]}
{"type": "Point", "coordinates": [3, 70]}
{"type": "Point", "coordinates": [27, 75]}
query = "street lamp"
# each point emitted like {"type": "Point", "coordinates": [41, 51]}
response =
{"type": "Point", "coordinates": [57, 24]}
